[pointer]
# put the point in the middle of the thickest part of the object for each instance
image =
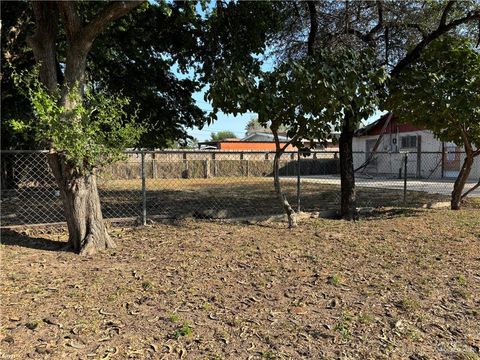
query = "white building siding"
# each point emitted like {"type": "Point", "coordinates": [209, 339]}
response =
{"type": "Point", "coordinates": [388, 158]}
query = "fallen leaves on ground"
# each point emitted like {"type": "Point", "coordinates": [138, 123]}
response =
{"type": "Point", "coordinates": [396, 285]}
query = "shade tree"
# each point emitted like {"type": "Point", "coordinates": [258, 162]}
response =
{"type": "Point", "coordinates": [397, 32]}
{"type": "Point", "coordinates": [440, 91]}
{"type": "Point", "coordinates": [148, 55]}
{"type": "Point", "coordinates": [70, 110]}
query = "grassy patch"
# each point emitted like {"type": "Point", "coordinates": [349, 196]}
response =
{"type": "Point", "coordinates": [184, 330]}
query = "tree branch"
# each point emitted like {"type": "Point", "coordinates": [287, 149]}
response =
{"type": "Point", "coordinates": [43, 41]}
{"type": "Point", "coordinates": [448, 7]}
{"type": "Point", "coordinates": [414, 54]}
{"type": "Point", "coordinates": [418, 28]}
{"type": "Point", "coordinates": [466, 143]}
{"type": "Point", "coordinates": [313, 27]}
{"type": "Point", "coordinates": [71, 21]}
{"type": "Point", "coordinates": [380, 11]}
{"type": "Point", "coordinates": [473, 188]}
{"type": "Point", "coordinates": [108, 14]}
{"type": "Point", "coordinates": [368, 37]}
{"type": "Point", "coordinates": [289, 142]}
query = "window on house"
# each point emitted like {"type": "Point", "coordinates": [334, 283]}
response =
{"type": "Point", "coordinates": [408, 142]}
{"type": "Point", "coordinates": [451, 152]}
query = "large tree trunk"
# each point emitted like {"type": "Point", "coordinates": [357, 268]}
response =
{"type": "Point", "coordinates": [8, 172]}
{"type": "Point", "coordinates": [87, 233]}
{"type": "Point", "coordinates": [348, 208]}
{"type": "Point", "coordinates": [86, 229]}
{"type": "Point", "coordinates": [461, 181]}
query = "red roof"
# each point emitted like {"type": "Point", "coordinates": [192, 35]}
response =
{"type": "Point", "coordinates": [393, 127]}
{"type": "Point", "coordinates": [245, 145]}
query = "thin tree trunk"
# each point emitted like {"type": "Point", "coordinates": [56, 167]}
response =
{"type": "Point", "coordinates": [461, 181]}
{"type": "Point", "coordinates": [472, 189]}
{"type": "Point", "coordinates": [8, 173]}
{"type": "Point", "coordinates": [464, 173]}
{"type": "Point", "coordinates": [282, 198]}
{"type": "Point", "coordinates": [287, 208]}
{"type": "Point", "coordinates": [348, 208]}
{"type": "Point", "coordinates": [86, 228]}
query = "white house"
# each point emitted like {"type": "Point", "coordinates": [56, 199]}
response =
{"type": "Point", "coordinates": [380, 147]}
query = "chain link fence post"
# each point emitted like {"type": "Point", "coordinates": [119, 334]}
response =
{"type": "Point", "coordinates": [298, 180]}
{"type": "Point", "coordinates": [144, 190]}
{"type": "Point", "coordinates": [405, 179]}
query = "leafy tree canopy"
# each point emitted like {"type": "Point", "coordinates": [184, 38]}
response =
{"type": "Point", "coordinates": [441, 91]}
{"type": "Point", "coordinates": [98, 131]}
{"type": "Point", "coordinates": [138, 56]}
{"type": "Point", "coordinates": [222, 135]}
{"type": "Point", "coordinates": [308, 97]}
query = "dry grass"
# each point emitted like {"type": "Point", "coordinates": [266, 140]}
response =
{"type": "Point", "coordinates": [219, 197]}
{"type": "Point", "coordinates": [400, 284]}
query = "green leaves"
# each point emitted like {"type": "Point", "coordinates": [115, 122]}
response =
{"type": "Point", "coordinates": [309, 96]}
{"type": "Point", "coordinates": [441, 91]}
{"type": "Point", "coordinates": [222, 135]}
{"type": "Point", "coordinates": [93, 132]}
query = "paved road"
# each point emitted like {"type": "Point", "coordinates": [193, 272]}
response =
{"type": "Point", "coordinates": [443, 187]}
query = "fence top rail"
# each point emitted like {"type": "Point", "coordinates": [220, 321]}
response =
{"type": "Point", "coordinates": [175, 151]}
{"type": "Point", "coordinates": [409, 152]}
{"type": "Point", "coordinates": [24, 151]}
{"type": "Point", "coordinates": [211, 151]}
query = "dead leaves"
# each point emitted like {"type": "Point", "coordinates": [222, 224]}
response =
{"type": "Point", "coordinates": [258, 292]}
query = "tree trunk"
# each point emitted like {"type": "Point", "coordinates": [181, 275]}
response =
{"type": "Point", "coordinates": [348, 208]}
{"type": "Point", "coordinates": [86, 229]}
{"type": "Point", "coordinates": [292, 218]}
{"type": "Point", "coordinates": [8, 173]}
{"type": "Point", "coordinates": [461, 181]}
{"type": "Point", "coordinates": [472, 189]}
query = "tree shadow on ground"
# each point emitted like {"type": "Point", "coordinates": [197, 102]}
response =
{"type": "Point", "coordinates": [391, 213]}
{"type": "Point", "coordinates": [209, 199]}
{"type": "Point", "coordinates": [15, 238]}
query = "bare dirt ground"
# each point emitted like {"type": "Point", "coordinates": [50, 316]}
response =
{"type": "Point", "coordinates": [399, 284]}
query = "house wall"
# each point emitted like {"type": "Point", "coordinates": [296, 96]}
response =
{"type": "Point", "coordinates": [388, 160]}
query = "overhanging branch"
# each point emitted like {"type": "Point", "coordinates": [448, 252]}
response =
{"type": "Point", "coordinates": [313, 27]}
{"type": "Point", "coordinates": [108, 14]}
{"type": "Point", "coordinates": [446, 11]}
{"type": "Point", "coordinates": [473, 188]}
{"type": "Point", "coordinates": [414, 54]}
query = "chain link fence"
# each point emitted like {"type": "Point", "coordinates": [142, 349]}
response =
{"type": "Point", "coordinates": [228, 184]}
